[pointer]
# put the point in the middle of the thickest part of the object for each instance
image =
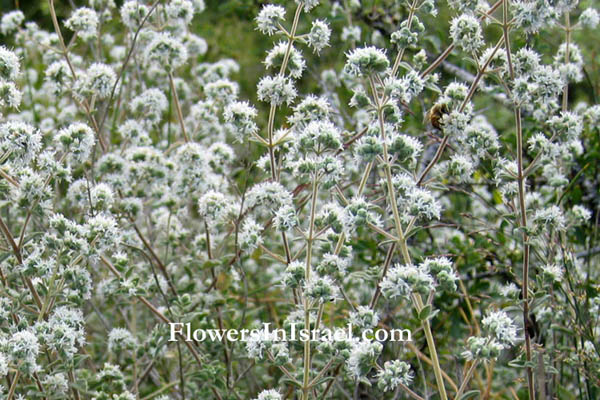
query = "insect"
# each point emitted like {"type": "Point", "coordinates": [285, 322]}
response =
{"type": "Point", "coordinates": [435, 114]}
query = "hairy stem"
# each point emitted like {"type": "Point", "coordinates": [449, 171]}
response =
{"type": "Point", "coordinates": [522, 208]}
{"type": "Point", "coordinates": [309, 245]}
{"type": "Point", "coordinates": [417, 301]}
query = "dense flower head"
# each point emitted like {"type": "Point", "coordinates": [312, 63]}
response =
{"type": "Point", "coordinates": [466, 33]}
{"type": "Point", "coordinates": [150, 104]}
{"type": "Point", "coordinates": [276, 90]}
{"type": "Point", "coordinates": [269, 395]}
{"type": "Point", "coordinates": [21, 141]}
{"type": "Point", "coordinates": [9, 64]}
{"type": "Point", "coordinates": [77, 140]}
{"type": "Point", "coordinates": [363, 357]}
{"type": "Point", "coordinates": [98, 80]}
{"type": "Point", "coordinates": [11, 21]}
{"type": "Point", "coordinates": [275, 58]}
{"type": "Point", "coordinates": [321, 289]}
{"type": "Point", "coordinates": [84, 21]}
{"type": "Point", "coordinates": [364, 61]}
{"type": "Point", "coordinates": [589, 18]}
{"type": "Point", "coordinates": [10, 95]}
{"type": "Point", "coordinates": [319, 35]}
{"type": "Point", "coordinates": [501, 326]}
{"type": "Point", "coordinates": [403, 280]}
{"type": "Point", "coordinates": [394, 373]}
{"type": "Point", "coordinates": [166, 51]}
{"type": "Point", "coordinates": [180, 10]}
{"type": "Point", "coordinates": [133, 13]}
{"type": "Point", "coordinates": [22, 349]}
{"type": "Point", "coordinates": [308, 4]}
{"type": "Point", "coordinates": [269, 17]}
{"type": "Point", "coordinates": [371, 182]}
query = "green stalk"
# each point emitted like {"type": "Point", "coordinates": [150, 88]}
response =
{"type": "Point", "coordinates": [307, 359]}
{"type": "Point", "coordinates": [417, 301]}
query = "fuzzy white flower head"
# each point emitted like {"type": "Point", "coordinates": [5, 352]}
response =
{"type": "Point", "coordinates": [64, 331]}
{"type": "Point", "coordinates": [102, 196]}
{"type": "Point", "coordinates": [250, 235]}
{"type": "Point", "coordinates": [362, 358]}
{"type": "Point", "coordinates": [21, 141]}
{"type": "Point", "coordinates": [365, 61]}
{"type": "Point", "coordinates": [195, 44]}
{"type": "Point", "coordinates": [134, 132]}
{"type": "Point", "coordinates": [286, 218]}
{"type": "Point", "coordinates": [10, 95]}
{"type": "Point", "coordinates": [552, 272]}
{"type": "Point", "coordinates": [133, 13]}
{"type": "Point", "coordinates": [269, 395]}
{"type": "Point", "coordinates": [351, 33]}
{"type": "Point", "coordinates": [499, 324]}
{"type": "Point", "coordinates": [76, 139]}
{"type": "Point", "coordinates": [120, 339]}
{"type": "Point", "coordinates": [548, 218]}
{"type": "Point", "coordinates": [215, 208]}
{"type": "Point", "coordinates": [311, 108]}
{"type": "Point", "coordinates": [258, 342]}
{"type": "Point", "coordinates": [23, 349]}
{"type": "Point", "coordinates": [150, 104]}
{"type": "Point", "coordinates": [269, 17]}
{"type": "Point", "coordinates": [11, 21]}
{"type": "Point", "coordinates": [9, 64]}
{"type": "Point", "coordinates": [98, 81]}
{"type": "Point", "coordinates": [240, 117]}
{"type": "Point", "coordinates": [581, 214]}
{"type": "Point", "coordinates": [165, 51]}
{"type": "Point", "coordinates": [482, 348]}
{"type": "Point", "coordinates": [308, 4]}
{"type": "Point", "coordinates": [460, 167]}
{"type": "Point", "coordinates": [589, 18]}
{"type": "Point", "coordinates": [276, 90]}
{"type": "Point", "coordinates": [319, 35]}
{"type": "Point", "coordinates": [3, 365]}
{"type": "Point", "coordinates": [465, 32]}
{"type": "Point", "coordinates": [180, 11]}
{"type": "Point", "coordinates": [422, 204]}
{"type": "Point", "coordinates": [402, 280]}
{"type": "Point", "coordinates": [364, 317]}
{"type": "Point", "coordinates": [393, 374]}
{"type": "Point", "coordinates": [222, 91]}
{"type": "Point", "coordinates": [84, 22]}
{"type": "Point", "coordinates": [321, 289]}
{"type": "Point", "coordinates": [276, 55]}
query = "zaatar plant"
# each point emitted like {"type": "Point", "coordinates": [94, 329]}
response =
{"type": "Point", "coordinates": [403, 185]}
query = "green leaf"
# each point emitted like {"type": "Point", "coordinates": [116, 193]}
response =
{"type": "Point", "coordinates": [424, 313]}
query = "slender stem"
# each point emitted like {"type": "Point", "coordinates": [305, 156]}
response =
{"type": "Point", "coordinates": [13, 386]}
{"type": "Point", "coordinates": [178, 108]}
{"type": "Point", "coordinates": [410, 392]}
{"type": "Point", "coordinates": [466, 380]}
{"type": "Point", "coordinates": [18, 256]}
{"type": "Point", "coordinates": [417, 301]}
{"type": "Point", "coordinates": [522, 207]}
{"type": "Point", "coordinates": [474, 84]}
{"type": "Point", "coordinates": [155, 311]}
{"type": "Point", "coordinates": [125, 62]}
{"type": "Point", "coordinates": [436, 63]}
{"type": "Point", "coordinates": [65, 52]}
{"type": "Point", "coordinates": [411, 13]}
{"type": "Point", "coordinates": [309, 245]}
{"type": "Point", "coordinates": [565, 99]}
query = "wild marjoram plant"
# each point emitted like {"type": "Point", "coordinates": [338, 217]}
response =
{"type": "Point", "coordinates": [140, 192]}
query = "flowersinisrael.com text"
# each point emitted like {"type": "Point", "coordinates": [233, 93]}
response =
{"type": "Point", "coordinates": [294, 334]}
